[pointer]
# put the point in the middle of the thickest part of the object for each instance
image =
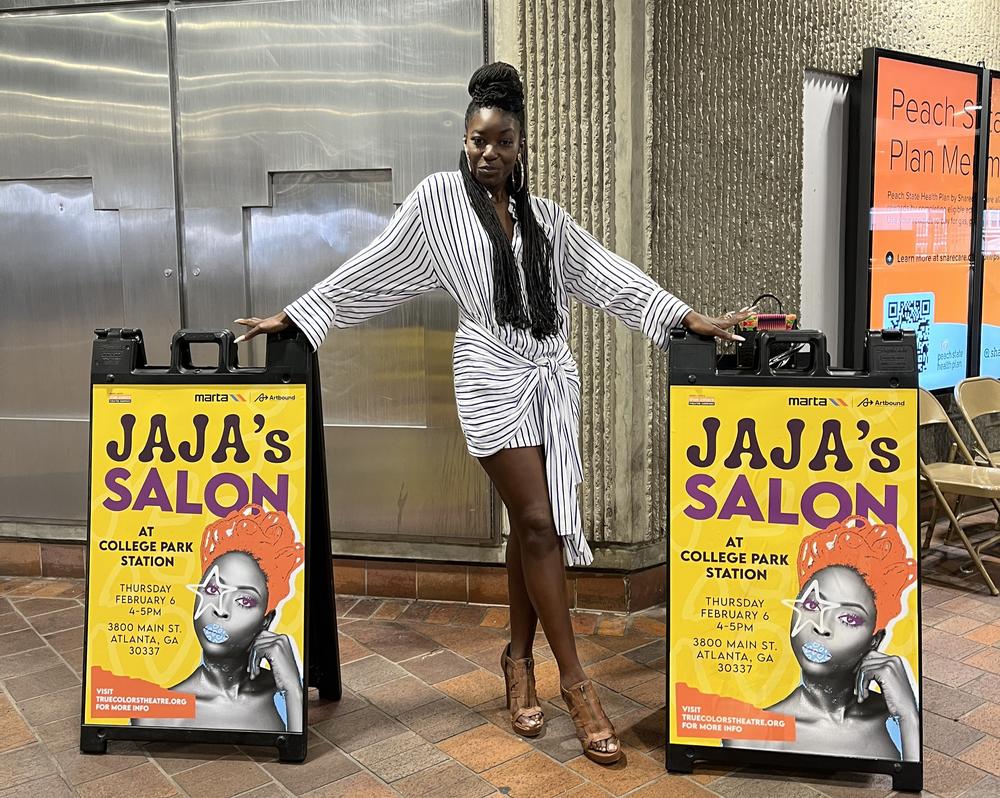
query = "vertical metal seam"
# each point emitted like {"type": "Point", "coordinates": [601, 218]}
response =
{"type": "Point", "coordinates": [175, 138]}
{"type": "Point", "coordinates": [489, 42]}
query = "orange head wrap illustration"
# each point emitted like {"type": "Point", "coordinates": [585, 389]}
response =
{"type": "Point", "coordinates": [268, 537]}
{"type": "Point", "coordinates": [875, 551]}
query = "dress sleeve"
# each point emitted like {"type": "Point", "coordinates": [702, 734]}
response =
{"type": "Point", "coordinates": [603, 280]}
{"type": "Point", "coordinates": [395, 267]}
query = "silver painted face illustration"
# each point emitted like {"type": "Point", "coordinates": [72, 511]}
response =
{"type": "Point", "coordinates": [232, 604]}
{"type": "Point", "coordinates": [833, 621]}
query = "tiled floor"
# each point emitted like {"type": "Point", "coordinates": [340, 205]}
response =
{"type": "Point", "coordinates": [422, 713]}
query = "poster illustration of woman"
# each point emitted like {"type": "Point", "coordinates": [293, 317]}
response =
{"type": "Point", "coordinates": [852, 577]}
{"type": "Point", "coordinates": [249, 560]}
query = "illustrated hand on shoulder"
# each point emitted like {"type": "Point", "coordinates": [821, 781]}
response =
{"type": "Point", "coordinates": [277, 650]}
{"type": "Point", "coordinates": [888, 673]}
{"type": "Point", "coordinates": [272, 324]}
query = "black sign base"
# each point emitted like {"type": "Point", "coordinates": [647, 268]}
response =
{"type": "Point", "coordinates": [94, 739]}
{"type": "Point", "coordinates": [906, 776]}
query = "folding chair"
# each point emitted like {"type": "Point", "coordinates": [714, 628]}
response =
{"type": "Point", "coordinates": [958, 479]}
{"type": "Point", "coordinates": [978, 397]}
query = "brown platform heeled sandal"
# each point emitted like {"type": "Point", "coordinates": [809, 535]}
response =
{"type": "Point", "coordinates": [592, 725]}
{"type": "Point", "coordinates": [519, 679]}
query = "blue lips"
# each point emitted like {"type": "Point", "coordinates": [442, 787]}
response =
{"type": "Point", "coordinates": [816, 652]}
{"type": "Point", "coordinates": [216, 634]}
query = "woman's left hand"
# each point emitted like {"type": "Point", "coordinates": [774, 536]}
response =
{"type": "Point", "coordinates": [717, 327]}
{"type": "Point", "coordinates": [890, 675]}
{"type": "Point", "coordinates": [277, 650]}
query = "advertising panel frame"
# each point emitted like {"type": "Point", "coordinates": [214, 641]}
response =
{"type": "Point", "coordinates": [982, 206]}
{"type": "Point", "coordinates": [119, 359]}
{"type": "Point", "coordinates": [857, 274]}
{"type": "Point", "coordinates": [891, 363]}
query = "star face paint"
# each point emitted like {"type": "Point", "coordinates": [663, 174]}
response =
{"type": "Point", "coordinates": [810, 608]}
{"type": "Point", "coordinates": [211, 592]}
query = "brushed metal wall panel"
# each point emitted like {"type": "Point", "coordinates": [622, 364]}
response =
{"type": "Point", "coordinates": [311, 85]}
{"type": "Point", "coordinates": [60, 277]}
{"type": "Point", "coordinates": [151, 277]}
{"type": "Point", "coordinates": [86, 221]}
{"type": "Point", "coordinates": [406, 485]}
{"type": "Point", "coordinates": [215, 290]}
{"type": "Point", "coordinates": [301, 123]}
{"type": "Point", "coordinates": [41, 465]}
{"type": "Point", "coordinates": [88, 95]}
{"type": "Point", "coordinates": [317, 220]}
{"type": "Point", "coordinates": [27, 5]}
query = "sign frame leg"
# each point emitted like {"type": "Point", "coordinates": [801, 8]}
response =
{"type": "Point", "coordinates": [678, 761]}
{"type": "Point", "coordinates": [93, 740]}
{"type": "Point", "coordinates": [909, 778]}
{"type": "Point", "coordinates": [321, 626]}
{"type": "Point", "coordinates": [292, 747]}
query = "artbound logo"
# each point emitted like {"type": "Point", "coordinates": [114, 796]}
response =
{"type": "Point", "coordinates": [273, 397]}
{"type": "Point", "coordinates": [816, 401]}
{"type": "Point", "coordinates": [219, 397]}
{"type": "Point", "coordinates": [869, 402]}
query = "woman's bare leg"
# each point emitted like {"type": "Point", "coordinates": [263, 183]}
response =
{"type": "Point", "coordinates": [519, 476]}
{"type": "Point", "coordinates": [523, 618]}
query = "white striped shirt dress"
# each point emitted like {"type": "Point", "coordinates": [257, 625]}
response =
{"type": "Point", "coordinates": [511, 389]}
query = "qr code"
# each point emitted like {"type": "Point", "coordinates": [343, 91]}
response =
{"type": "Point", "coordinates": [912, 312]}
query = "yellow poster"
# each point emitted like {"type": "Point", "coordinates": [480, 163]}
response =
{"type": "Point", "coordinates": [195, 607]}
{"type": "Point", "coordinates": [793, 573]}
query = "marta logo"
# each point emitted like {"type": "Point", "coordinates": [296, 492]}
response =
{"type": "Point", "coordinates": [219, 397]}
{"type": "Point", "coordinates": [816, 401]}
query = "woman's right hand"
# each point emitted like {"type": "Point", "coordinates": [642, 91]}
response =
{"type": "Point", "coordinates": [272, 324]}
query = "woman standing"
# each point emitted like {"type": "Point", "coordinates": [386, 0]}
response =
{"type": "Point", "coordinates": [511, 261]}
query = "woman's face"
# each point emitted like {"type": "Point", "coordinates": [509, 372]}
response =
{"type": "Point", "coordinates": [492, 142]}
{"type": "Point", "coordinates": [232, 605]}
{"type": "Point", "coordinates": [833, 622]}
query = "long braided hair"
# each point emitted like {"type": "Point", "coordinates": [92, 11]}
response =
{"type": "Point", "coordinates": [498, 85]}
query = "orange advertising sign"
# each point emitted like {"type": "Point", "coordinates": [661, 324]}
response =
{"type": "Point", "coordinates": [926, 121]}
